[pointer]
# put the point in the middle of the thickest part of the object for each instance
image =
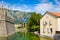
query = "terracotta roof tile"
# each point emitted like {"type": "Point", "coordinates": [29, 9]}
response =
{"type": "Point", "coordinates": [55, 13]}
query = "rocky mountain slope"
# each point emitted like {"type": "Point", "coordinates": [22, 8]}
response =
{"type": "Point", "coordinates": [20, 17]}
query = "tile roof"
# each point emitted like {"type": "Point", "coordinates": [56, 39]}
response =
{"type": "Point", "coordinates": [55, 13]}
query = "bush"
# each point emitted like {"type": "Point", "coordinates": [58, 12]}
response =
{"type": "Point", "coordinates": [35, 28]}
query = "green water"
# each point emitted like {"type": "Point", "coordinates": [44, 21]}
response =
{"type": "Point", "coordinates": [24, 36]}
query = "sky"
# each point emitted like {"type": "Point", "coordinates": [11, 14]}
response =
{"type": "Point", "coordinates": [38, 6]}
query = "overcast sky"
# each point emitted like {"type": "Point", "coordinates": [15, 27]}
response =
{"type": "Point", "coordinates": [33, 5]}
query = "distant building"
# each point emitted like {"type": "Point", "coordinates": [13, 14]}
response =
{"type": "Point", "coordinates": [6, 23]}
{"type": "Point", "coordinates": [24, 25]}
{"type": "Point", "coordinates": [18, 27]}
{"type": "Point", "coordinates": [50, 24]}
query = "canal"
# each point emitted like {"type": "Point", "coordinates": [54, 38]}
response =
{"type": "Point", "coordinates": [24, 36]}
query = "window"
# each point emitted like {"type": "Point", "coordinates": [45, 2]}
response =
{"type": "Point", "coordinates": [47, 30]}
{"type": "Point", "coordinates": [44, 30]}
{"type": "Point", "coordinates": [46, 16]}
{"type": "Point", "coordinates": [51, 30]}
{"type": "Point", "coordinates": [50, 23]}
{"type": "Point", "coordinates": [45, 23]}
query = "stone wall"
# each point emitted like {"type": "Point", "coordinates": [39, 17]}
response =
{"type": "Point", "coordinates": [10, 27]}
{"type": "Point", "coordinates": [6, 23]}
{"type": "Point", "coordinates": [3, 29]}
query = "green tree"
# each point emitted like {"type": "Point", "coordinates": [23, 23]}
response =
{"type": "Point", "coordinates": [34, 20]}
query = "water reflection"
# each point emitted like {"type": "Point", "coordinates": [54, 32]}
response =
{"type": "Point", "coordinates": [21, 36]}
{"type": "Point", "coordinates": [24, 36]}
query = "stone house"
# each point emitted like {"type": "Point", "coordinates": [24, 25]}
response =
{"type": "Point", "coordinates": [6, 23]}
{"type": "Point", "coordinates": [50, 24]}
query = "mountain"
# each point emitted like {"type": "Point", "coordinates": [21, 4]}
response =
{"type": "Point", "coordinates": [20, 16]}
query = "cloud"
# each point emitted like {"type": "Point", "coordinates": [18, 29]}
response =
{"type": "Point", "coordinates": [15, 7]}
{"type": "Point", "coordinates": [57, 1]}
{"type": "Point", "coordinates": [42, 7]}
{"type": "Point", "coordinates": [4, 5]}
{"type": "Point", "coordinates": [24, 8]}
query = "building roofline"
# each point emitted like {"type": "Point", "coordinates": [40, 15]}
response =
{"type": "Point", "coordinates": [49, 13]}
{"type": "Point", "coordinates": [44, 14]}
